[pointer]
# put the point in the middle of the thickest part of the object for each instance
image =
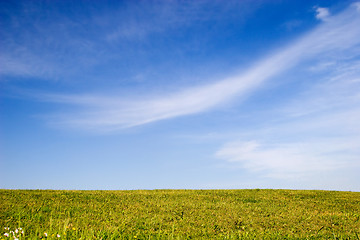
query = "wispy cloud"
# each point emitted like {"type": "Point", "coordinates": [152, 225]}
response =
{"type": "Point", "coordinates": [298, 149]}
{"type": "Point", "coordinates": [337, 35]}
{"type": "Point", "coordinates": [316, 132]}
{"type": "Point", "coordinates": [290, 160]}
{"type": "Point", "coordinates": [322, 13]}
{"type": "Point", "coordinates": [39, 41]}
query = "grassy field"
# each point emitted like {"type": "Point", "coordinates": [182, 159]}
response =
{"type": "Point", "coordinates": [180, 214]}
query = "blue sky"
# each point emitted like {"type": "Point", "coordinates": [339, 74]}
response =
{"type": "Point", "coordinates": [180, 94]}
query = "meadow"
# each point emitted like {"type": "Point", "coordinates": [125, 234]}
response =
{"type": "Point", "coordinates": [179, 214]}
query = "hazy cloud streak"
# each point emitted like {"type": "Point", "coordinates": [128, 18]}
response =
{"type": "Point", "coordinates": [338, 33]}
{"type": "Point", "coordinates": [314, 133]}
{"type": "Point", "coordinates": [322, 13]}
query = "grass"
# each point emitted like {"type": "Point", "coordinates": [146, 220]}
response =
{"type": "Point", "coordinates": [181, 214]}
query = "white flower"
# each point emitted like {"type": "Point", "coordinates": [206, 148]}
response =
{"type": "Point", "coordinates": [58, 235]}
{"type": "Point", "coordinates": [16, 230]}
{"type": "Point", "coordinates": [6, 234]}
{"type": "Point", "coordinates": [45, 234]}
{"type": "Point", "coordinates": [16, 239]}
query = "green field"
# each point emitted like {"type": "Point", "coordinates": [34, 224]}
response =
{"type": "Point", "coordinates": [180, 214]}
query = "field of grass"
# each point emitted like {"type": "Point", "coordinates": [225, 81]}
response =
{"type": "Point", "coordinates": [180, 214]}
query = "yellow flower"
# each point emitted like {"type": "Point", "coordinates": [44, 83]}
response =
{"type": "Point", "coordinates": [73, 228]}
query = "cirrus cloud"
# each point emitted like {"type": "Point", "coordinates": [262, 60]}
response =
{"type": "Point", "coordinates": [335, 37]}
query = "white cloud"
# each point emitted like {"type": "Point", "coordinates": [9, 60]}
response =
{"type": "Point", "coordinates": [322, 13]}
{"type": "Point", "coordinates": [313, 140]}
{"type": "Point", "coordinates": [357, 5]}
{"type": "Point", "coordinates": [40, 41]}
{"type": "Point", "coordinates": [287, 160]}
{"type": "Point", "coordinates": [314, 134]}
{"type": "Point", "coordinates": [323, 142]}
{"type": "Point", "coordinates": [112, 113]}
